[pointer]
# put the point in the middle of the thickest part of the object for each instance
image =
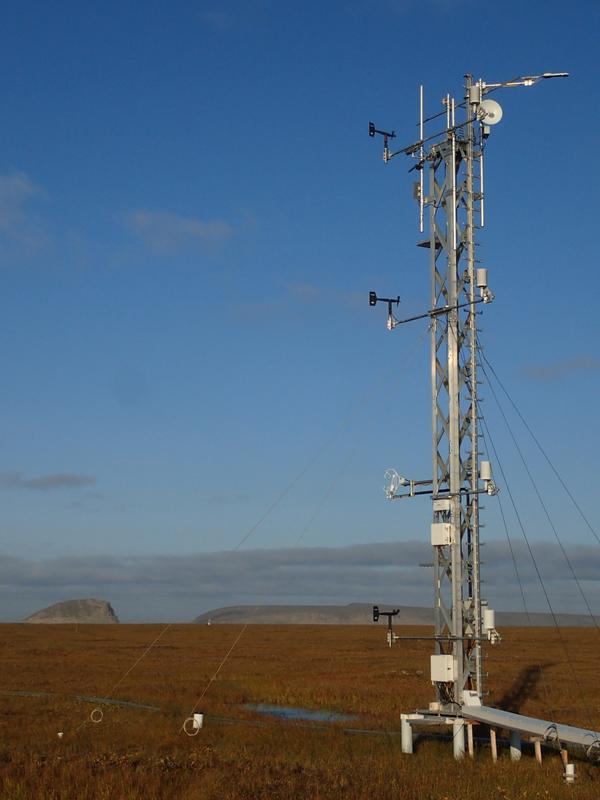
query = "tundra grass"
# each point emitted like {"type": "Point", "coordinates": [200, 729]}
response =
{"type": "Point", "coordinates": [139, 753]}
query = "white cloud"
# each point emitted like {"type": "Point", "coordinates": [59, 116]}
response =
{"type": "Point", "coordinates": [57, 480]}
{"type": "Point", "coordinates": [303, 291]}
{"type": "Point", "coordinates": [559, 369]}
{"type": "Point", "coordinates": [163, 231]}
{"type": "Point", "coordinates": [20, 233]}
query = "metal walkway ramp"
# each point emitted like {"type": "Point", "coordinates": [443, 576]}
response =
{"type": "Point", "coordinates": [547, 731]}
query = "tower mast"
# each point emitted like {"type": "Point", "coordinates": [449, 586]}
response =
{"type": "Point", "coordinates": [453, 159]}
{"type": "Point", "coordinates": [455, 452]}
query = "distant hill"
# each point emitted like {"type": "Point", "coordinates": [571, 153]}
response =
{"type": "Point", "coordinates": [352, 614]}
{"type": "Point", "coordinates": [89, 610]}
{"type": "Point", "coordinates": [362, 614]}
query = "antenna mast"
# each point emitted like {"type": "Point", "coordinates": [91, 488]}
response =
{"type": "Point", "coordinates": [453, 159]}
{"type": "Point", "coordinates": [454, 188]}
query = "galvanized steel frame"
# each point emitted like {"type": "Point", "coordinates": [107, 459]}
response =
{"type": "Point", "coordinates": [455, 451]}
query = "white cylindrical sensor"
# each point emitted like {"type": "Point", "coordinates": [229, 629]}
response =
{"type": "Point", "coordinates": [482, 278]}
{"type": "Point", "coordinates": [485, 471]}
{"type": "Point", "coordinates": [475, 94]}
{"type": "Point", "coordinates": [198, 721]}
{"type": "Point", "coordinates": [489, 619]}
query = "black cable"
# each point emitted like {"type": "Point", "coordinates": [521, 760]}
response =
{"type": "Point", "coordinates": [488, 438]}
{"type": "Point", "coordinates": [325, 497]}
{"type": "Point", "coordinates": [542, 451]}
{"type": "Point", "coordinates": [543, 505]}
{"type": "Point", "coordinates": [539, 576]}
{"type": "Point", "coordinates": [276, 502]}
{"type": "Point", "coordinates": [360, 405]}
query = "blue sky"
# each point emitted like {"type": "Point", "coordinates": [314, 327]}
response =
{"type": "Point", "coordinates": [191, 217]}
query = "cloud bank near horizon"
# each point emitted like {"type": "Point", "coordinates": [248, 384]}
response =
{"type": "Point", "coordinates": [153, 588]}
{"type": "Point", "coordinates": [44, 483]}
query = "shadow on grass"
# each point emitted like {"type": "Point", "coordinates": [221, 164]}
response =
{"type": "Point", "coordinates": [524, 688]}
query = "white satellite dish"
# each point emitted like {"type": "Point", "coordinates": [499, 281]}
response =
{"type": "Point", "coordinates": [490, 112]}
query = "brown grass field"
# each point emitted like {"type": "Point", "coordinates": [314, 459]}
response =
{"type": "Point", "coordinates": [136, 753]}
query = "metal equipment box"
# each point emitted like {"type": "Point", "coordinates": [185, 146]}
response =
{"type": "Point", "coordinates": [443, 668]}
{"type": "Point", "coordinates": [441, 533]}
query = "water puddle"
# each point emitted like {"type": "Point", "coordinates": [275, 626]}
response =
{"type": "Point", "coordinates": [292, 713]}
{"type": "Point", "coordinates": [109, 701]}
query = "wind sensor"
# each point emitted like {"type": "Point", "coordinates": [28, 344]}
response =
{"type": "Point", "coordinates": [386, 136]}
{"type": "Point", "coordinates": [391, 636]}
{"type": "Point", "coordinates": [391, 320]}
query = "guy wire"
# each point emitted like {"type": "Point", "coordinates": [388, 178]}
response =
{"type": "Point", "coordinates": [409, 360]}
{"type": "Point", "coordinates": [97, 714]}
{"type": "Point", "coordinates": [541, 449]}
{"type": "Point", "coordinates": [542, 503]}
{"type": "Point", "coordinates": [539, 576]}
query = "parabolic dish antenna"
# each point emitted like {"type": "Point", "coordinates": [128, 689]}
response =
{"type": "Point", "coordinates": [490, 112]}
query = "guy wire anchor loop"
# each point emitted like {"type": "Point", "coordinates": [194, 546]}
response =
{"type": "Point", "coordinates": [192, 725]}
{"type": "Point", "coordinates": [593, 751]}
{"type": "Point", "coordinates": [551, 733]}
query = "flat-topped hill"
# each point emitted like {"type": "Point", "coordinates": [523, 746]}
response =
{"type": "Point", "coordinates": [362, 614]}
{"type": "Point", "coordinates": [351, 614]}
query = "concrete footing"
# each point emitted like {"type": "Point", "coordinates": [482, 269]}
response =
{"type": "Point", "coordinates": [515, 745]}
{"type": "Point", "coordinates": [470, 743]}
{"type": "Point", "coordinates": [458, 738]}
{"type": "Point", "coordinates": [406, 734]}
{"type": "Point", "coordinates": [493, 745]}
{"type": "Point", "coordinates": [424, 719]}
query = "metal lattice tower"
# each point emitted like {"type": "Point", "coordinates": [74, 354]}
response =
{"type": "Point", "coordinates": [451, 163]}
{"type": "Point", "coordinates": [455, 188]}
